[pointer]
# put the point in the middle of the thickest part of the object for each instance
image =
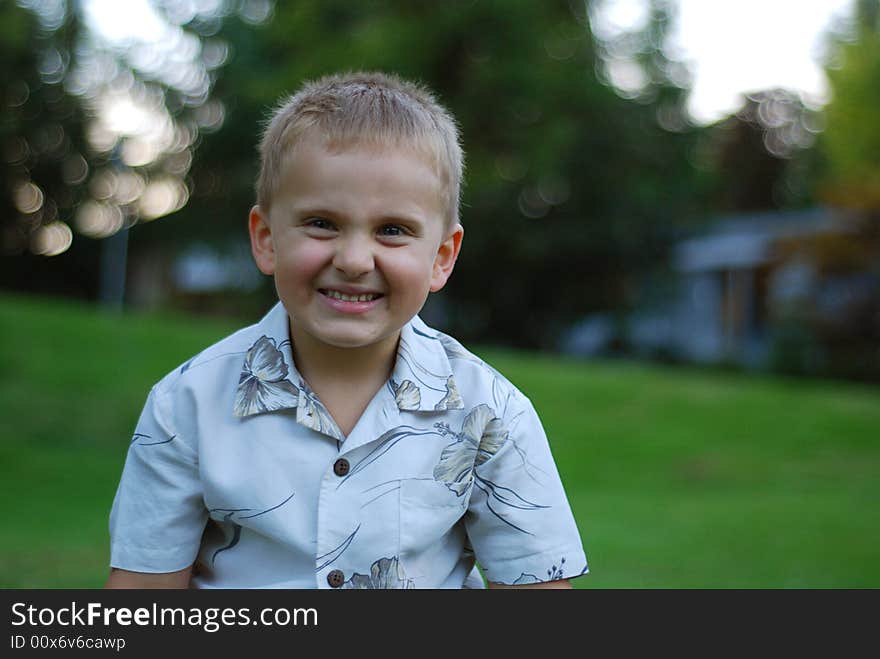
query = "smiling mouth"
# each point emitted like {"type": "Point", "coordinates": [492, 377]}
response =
{"type": "Point", "coordinates": [345, 297]}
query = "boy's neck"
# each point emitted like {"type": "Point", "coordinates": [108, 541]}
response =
{"type": "Point", "coordinates": [344, 379]}
{"type": "Point", "coordinates": [319, 362]}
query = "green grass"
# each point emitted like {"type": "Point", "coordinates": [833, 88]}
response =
{"type": "Point", "coordinates": [677, 477]}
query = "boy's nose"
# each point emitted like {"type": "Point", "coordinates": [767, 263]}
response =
{"type": "Point", "coordinates": [353, 258]}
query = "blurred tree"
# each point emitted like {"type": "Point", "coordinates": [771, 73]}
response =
{"type": "Point", "coordinates": [761, 153]}
{"type": "Point", "coordinates": [850, 144]}
{"type": "Point", "coordinates": [99, 127]}
{"type": "Point", "coordinates": [44, 165]}
{"type": "Point", "coordinates": [847, 175]}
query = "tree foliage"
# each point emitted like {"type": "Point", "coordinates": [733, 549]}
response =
{"type": "Point", "coordinates": [44, 166]}
{"type": "Point", "coordinates": [761, 154]}
{"type": "Point", "coordinates": [850, 144]}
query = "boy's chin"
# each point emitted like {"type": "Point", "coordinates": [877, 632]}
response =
{"type": "Point", "coordinates": [356, 340]}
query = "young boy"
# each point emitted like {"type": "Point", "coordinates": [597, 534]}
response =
{"type": "Point", "coordinates": [340, 442]}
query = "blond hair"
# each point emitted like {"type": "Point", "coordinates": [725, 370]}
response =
{"type": "Point", "coordinates": [363, 108]}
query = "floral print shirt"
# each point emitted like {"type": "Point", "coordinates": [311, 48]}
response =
{"type": "Point", "coordinates": [236, 466]}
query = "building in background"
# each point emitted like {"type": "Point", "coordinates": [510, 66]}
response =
{"type": "Point", "coordinates": [796, 291]}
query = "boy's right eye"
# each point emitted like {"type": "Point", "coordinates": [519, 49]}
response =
{"type": "Point", "coordinates": [318, 223]}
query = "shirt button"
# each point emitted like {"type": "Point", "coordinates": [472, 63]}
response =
{"type": "Point", "coordinates": [335, 578]}
{"type": "Point", "coordinates": [340, 467]}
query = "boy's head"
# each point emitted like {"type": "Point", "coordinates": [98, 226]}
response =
{"type": "Point", "coordinates": [369, 109]}
{"type": "Point", "coordinates": [357, 208]}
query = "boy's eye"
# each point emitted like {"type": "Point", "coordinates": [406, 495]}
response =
{"type": "Point", "coordinates": [319, 223]}
{"type": "Point", "coordinates": [392, 231]}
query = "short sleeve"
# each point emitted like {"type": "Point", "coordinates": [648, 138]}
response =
{"type": "Point", "coordinates": [158, 514]}
{"type": "Point", "coordinates": [519, 521]}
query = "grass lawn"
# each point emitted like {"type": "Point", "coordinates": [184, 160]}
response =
{"type": "Point", "coordinates": [678, 478]}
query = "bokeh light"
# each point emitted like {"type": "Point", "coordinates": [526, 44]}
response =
{"type": "Point", "coordinates": [143, 70]}
{"type": "Point", "coordinates": [52, 239]}
{"type": "Point", "coordinates": [99, 219]}
{"type": "Point", "coordinates": [162, 197]}
{"type": "Point", "coordinates": [28, 198]}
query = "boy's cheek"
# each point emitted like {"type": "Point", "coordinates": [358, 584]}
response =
{"type": "Point", "coordinates": [301, 261]}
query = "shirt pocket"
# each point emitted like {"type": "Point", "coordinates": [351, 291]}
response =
{"type": "Point", "coordinates": [429, 513]}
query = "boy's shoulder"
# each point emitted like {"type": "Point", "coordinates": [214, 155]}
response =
{"type": "Point", "coordinates": [223, 360]}
{"type": "Point", "coordinates": [475, 379]}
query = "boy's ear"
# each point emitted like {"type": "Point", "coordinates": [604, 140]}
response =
{"type": "Point", "coordinates": [447, 253]}
{"type": "Point", "coordinates": [261, 241]}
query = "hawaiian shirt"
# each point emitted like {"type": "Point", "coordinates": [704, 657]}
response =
{"type": "Point", "coordinates": [236, 466]}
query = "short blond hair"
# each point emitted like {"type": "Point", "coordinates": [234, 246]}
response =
{"type": "Point", "coordinates": [371, 108]}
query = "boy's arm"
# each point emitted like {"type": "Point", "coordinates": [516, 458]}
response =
{"type": "Point", "coordinates": [158, 514]}
{"type": "Point", "coordinates": [125, 579]}
{"type": "Point", "coordinates": [560, 584]}
{"type": "Point", "coordinates": [519, 521]}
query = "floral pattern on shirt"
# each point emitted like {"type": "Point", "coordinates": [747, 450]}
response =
{"type": "Point", "coordinates": [437, 390]}
{"type": "Point", "coordinates": [263, 385]}
{"type": "Point", "coordinates": [384, 573]}
{"type": "Point", "coordinates": [482, 434]}
{"type": "Point", "coordinates": [407, 395]}
{"type": "Point", "coordinates": [452, 399]}
{"type": "Point", "coordinates": [312, 414]}
{"type": "Point", "coordinates": [554, 573]}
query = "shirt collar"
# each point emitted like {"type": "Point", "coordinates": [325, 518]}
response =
{"type": "Point", "coordinates": [421, 380]}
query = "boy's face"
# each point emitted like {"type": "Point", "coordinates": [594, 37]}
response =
{"type": "Point", "coordinates": [355, 240]}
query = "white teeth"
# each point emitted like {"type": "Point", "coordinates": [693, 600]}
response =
{"type": "Point", "coordinates": [336, 295]}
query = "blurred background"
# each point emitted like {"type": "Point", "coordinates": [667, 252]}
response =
{"type": "Point", "coordinates": [672, 211]}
